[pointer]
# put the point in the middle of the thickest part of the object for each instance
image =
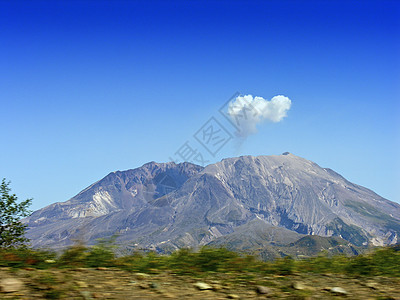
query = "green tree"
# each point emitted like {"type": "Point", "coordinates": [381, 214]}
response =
{"type": "Point", "coordinates": [12, 230]}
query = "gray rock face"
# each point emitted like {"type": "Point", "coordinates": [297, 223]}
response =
{"type": "Point", "coordinates": [108, 206]}
{"type": "Point", "coordinates": [168, 206]}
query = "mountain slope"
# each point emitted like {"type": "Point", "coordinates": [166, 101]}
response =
{"type": "Point", "coordinates": [104, 208]}
{"type": "Point", "coordinates": [168, 206]}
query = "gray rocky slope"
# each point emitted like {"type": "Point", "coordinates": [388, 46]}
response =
{"type": "Point", "coordinates": [167, 206]}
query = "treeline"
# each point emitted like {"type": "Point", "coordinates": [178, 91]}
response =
{"type": "Point", "coordinates": [380, 262]}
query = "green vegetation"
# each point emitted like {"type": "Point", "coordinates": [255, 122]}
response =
{"type": "Point", "coordinates": [382, 261]}
{"type": "Point", "coordinates": [374, 214]}
{"type": "Point", "coordinates": [12, 230]}
{"type": "Point", "coordinates": [351, 233]}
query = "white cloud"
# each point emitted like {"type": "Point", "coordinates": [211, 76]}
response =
{"type": "Point", "coordinates": [248, 111]}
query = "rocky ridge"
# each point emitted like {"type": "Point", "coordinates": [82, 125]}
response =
{"type": "Point", "coordinates": [243, 200]}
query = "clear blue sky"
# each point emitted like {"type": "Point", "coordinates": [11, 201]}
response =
{"type": "Point", "coordinates": [90, 87]}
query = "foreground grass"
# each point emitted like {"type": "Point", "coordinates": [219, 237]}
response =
{"type": "Point", "coordinates": [380, 262]}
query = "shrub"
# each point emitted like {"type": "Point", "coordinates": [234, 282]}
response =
{"type": "Point", "coordinates": [101, 254]}
{"type": "Point", "coordinates": [74, 256]}
{"type": "Point", "coordinates": [25, 257]}
{"type": "Point", "coordinates": [284, 266]}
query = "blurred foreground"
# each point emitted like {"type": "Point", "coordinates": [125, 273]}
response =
{"type": "Point", "coordinates": [90, 273]}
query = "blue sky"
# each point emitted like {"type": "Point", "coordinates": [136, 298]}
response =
{"type": "Point", "coordinates": [90, 87]}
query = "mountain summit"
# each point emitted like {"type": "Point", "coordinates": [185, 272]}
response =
{"type": "Point", "coordinates": [166, 206]}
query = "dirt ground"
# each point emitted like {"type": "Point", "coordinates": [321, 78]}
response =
{"type": "Point", "coordinates": [109, 283]}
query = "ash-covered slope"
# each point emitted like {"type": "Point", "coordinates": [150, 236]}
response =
{"type": "Point", "coordinates": [199, 206]}
{"type": "Point", "coordinates": [104, 207]}
{"type": "Point", "coordinates": [285, 191]}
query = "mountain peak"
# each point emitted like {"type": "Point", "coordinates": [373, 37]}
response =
{"type": "Point", "coordinates": [170, 205]}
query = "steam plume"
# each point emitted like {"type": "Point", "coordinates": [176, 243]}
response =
{"type": "Point", "coordinates": [248, 111]}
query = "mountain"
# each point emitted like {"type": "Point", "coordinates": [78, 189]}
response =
{"type": "Point", "coordinates": [109, 205]}
{"type": "Point", "coordinates": [271, 242]}
{"type": "Point", "coordinates": [244, 202]}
